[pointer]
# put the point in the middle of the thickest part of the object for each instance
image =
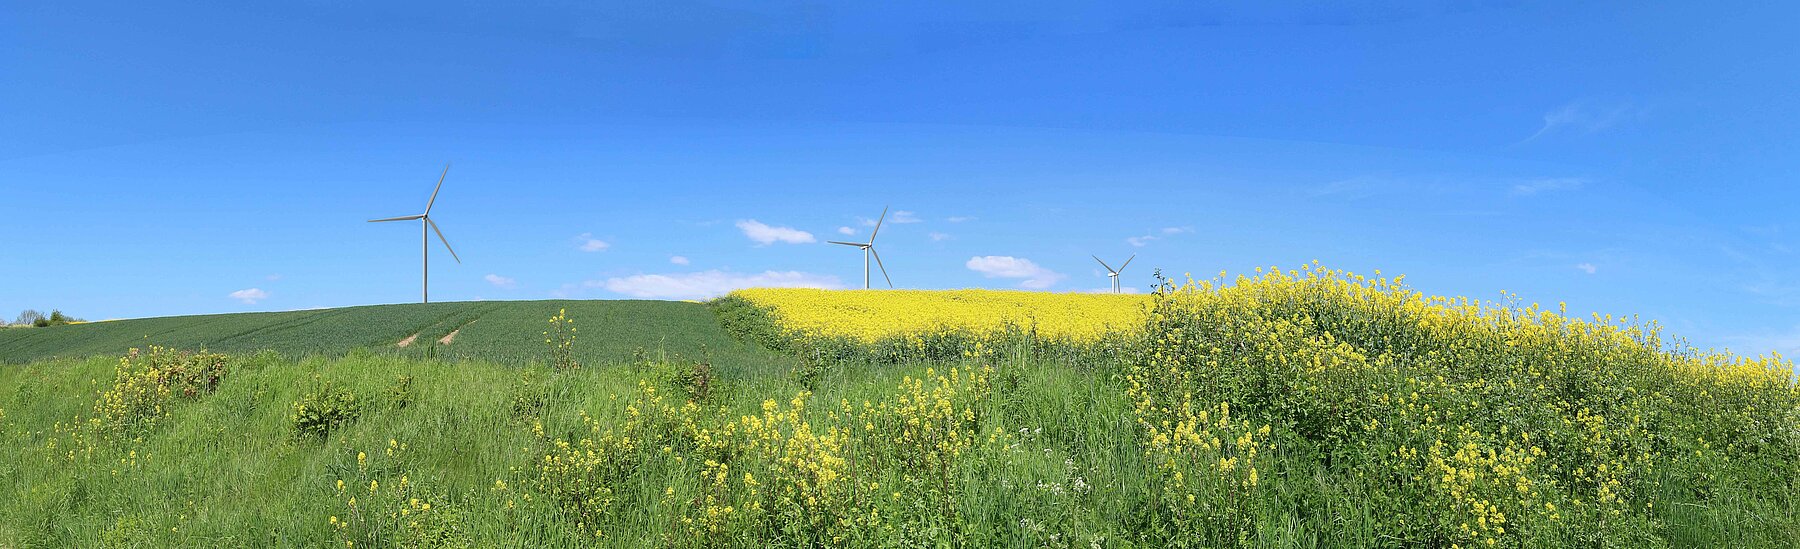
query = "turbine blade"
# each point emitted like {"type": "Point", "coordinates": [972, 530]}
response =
{"type": "Point", "coordinates": [884, 274]}
{"type": "Point", "coordinates": [440, 234]}
{"type": "Point", "coordinates": [1103, 264]}
{"type": "Point", "coordinates": [440, 186]}
{"type": "Point", "coordinates": [878, 225]}
{"type": "Point", "coordinates": [407, 218]}
{"type": "Point", "coordinates": [1128, 261]}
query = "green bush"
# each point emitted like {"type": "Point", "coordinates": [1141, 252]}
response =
{"type": "Point", "coordinates": [144, 384]}
{"type": "Point", "coordinates": [323, 410]}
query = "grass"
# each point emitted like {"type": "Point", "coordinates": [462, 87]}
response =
{"type": "Point", "coordinates": [1287, 410]}
{"type": "Point", "coordinates": [227, 470]}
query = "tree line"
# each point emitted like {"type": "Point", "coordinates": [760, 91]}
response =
{"type": "Point", "coordinates": [31, 317]}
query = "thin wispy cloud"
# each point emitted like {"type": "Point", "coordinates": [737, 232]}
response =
{"type": "Point", "coordinates": [896, 216]}
{"type": "Point", "coordinates": [710, 284]}
{"type": "Point", "coordinates": [1157, 234]}
{"type": "Point", "coordinates": [763, 234]}
{"type": "Point", "coordinates": [1032, 275]}
{"type": "Point", "coordinates": [846, 231]}
{"type": "Point", "coordinates": [678, 259]}
{"type": "Point", "coordinates": [501, 281]}
{"type": "Point", "coordinates": [1787, 343]}
{"type": "Point", "coordinates": [1547, 185]}
{"type": "Point", "coordinates": [587, 243]}
{"type": "Point", "coordinates": [1122, 289]}
{"type": "Point", "coordinates": [939, 237]}
{"type": "Point", "coordinates": [249, 296]}
{"type": "Point", "coordinates": [1774, 291]}
{"type": "Point", "coordinates": [1370, 186]}
{"type": "Point", "coordinates": [1588, 268]}
{"type": "Point", "coordinates": [960, 218]}
{"type": "Point", "coordinates": [1584, 118]}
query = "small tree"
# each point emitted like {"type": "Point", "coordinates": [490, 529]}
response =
{"type": "Point", "coordinates": [29, 317]}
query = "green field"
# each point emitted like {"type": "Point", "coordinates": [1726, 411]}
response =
{"type": "Point", "coordinates": [1285, 410]}
{"type": "Point", "coordinates": [500, 331]}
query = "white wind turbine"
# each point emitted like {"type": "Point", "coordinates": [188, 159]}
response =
{"type": "Point", "coordinates": [426, 227]}
{"type": "Point", "coordinates": [1114, 273]}
{"type": "Point", "coordinates": [868, 249]}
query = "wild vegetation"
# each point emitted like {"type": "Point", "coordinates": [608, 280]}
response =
{"type": "Point", "coordinates": [1297, 408]}
{"type": "Point", "coordinates": [31, 318]}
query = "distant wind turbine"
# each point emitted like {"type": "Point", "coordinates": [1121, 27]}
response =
{"type": "Point", "coordinates": [868, 249]}
{"type": "Point", "coordinates": [426, 227]}
{"type": "Point", "coordinates": [1114, 273]}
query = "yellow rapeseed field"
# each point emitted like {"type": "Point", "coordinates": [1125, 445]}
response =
{"type": "Point", "coordinates": [875, 315]}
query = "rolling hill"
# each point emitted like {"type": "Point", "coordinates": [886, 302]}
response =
{"type": "Point", "coordinates": [507, 331]}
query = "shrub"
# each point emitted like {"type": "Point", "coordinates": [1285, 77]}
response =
{"type": "Point", "coordinates": [144, 384]}
{"type": "Point", "coordinates": [323, 410]}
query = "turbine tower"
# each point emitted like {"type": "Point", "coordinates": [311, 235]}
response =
{"type": "Point", "coordinates": [868, 249]}
{"type": "Point", "coordinates": [1114, 273]}
{"type": "Point", "coordinates": [426, 227]}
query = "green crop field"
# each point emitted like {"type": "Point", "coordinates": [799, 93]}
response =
{"type": "Point", "coordinates": [1293, 409]}
{"type": "Point", "coordinates": [501, 331]}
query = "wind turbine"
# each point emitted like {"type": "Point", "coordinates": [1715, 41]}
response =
{"type": "Point", "coordinates": [1114, 273]}
{"type": "Point", "coordinates": [868, 249]}
{"type": "Point", "coordinates": [426, 227]}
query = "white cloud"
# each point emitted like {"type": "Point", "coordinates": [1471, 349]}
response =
{"type": "Point", "coordinates": [765, 235]}
{"type": "Point", "coordinates": [250, 295]}
{"type": "Point", "coordinates": [1166, 232]}
{"type": "Point", "coordinates": [896, 216]}
{"type": "Point", "coordinates": [273, 277]}
{"type": "Point", "coordinates": [1000, 266]}
{"type": "Point", "coordinates": [960, 218]}
{"type": "Point", "coordinates": [1788, 344]}
{"type": "Point", "coordinates": [1781, 294]}
{"type": "Point", "coordinates": [1588, 268]}
{"type": "Point", "coordinates": [710, 284]}
{"type": "Point", "coordinates": [1548, 184]}
{"type": "Point", "coordinates": [939, 237]}
{"type": "Point", "coordinates": [587, 243]}
{"type": "Point", "coordinates": [846, 231]}
{"type": "Point", "coordinates": [1585, 118]}
{"type": "Point", "coordinates": [1122, 289]}
{"type": "Point", "coordinates": [678, 259]}
{"type": "Point", "coordinates": [501, 281]}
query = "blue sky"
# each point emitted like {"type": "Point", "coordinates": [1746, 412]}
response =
{"type": "Point", "coordinates": [215, 157]}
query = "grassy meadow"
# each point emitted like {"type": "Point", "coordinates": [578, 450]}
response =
{"type": "Point", "coordinates": [1303, 408]}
